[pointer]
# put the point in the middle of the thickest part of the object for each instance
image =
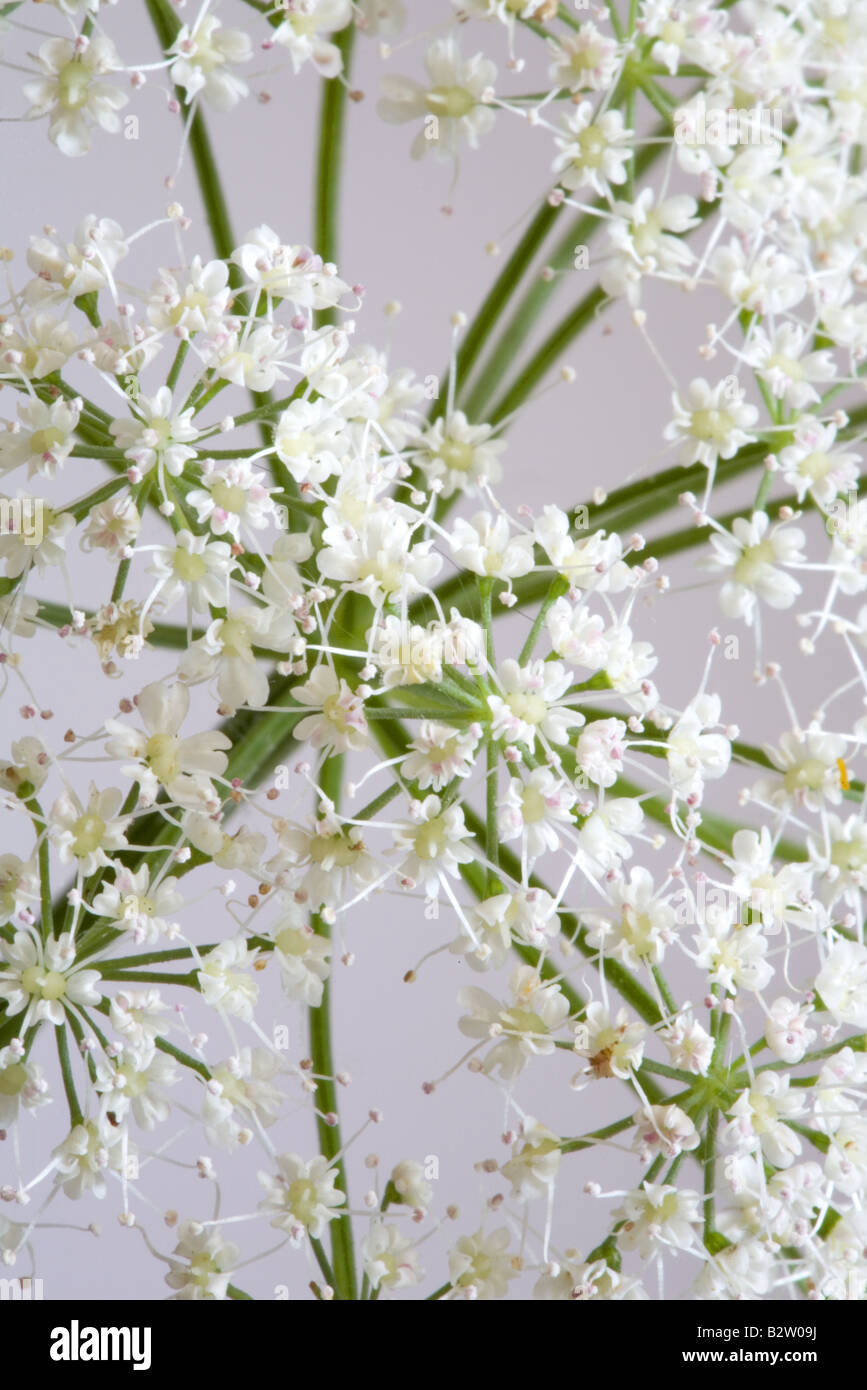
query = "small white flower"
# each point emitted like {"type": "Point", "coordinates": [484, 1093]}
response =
{"type": "Point", "coordinates": [202, 1263]}
{"type": "Point", "coordinates": [842, 983]}
{"type": "Point", "coordinates": [460, 456]}
{"type": "Point", "coordinates": [750, 558]}
{"type": "Point", "coordinates": [390, 1259]}
{"type": "Point", "coordinates": [340, 723]}
{"type": "Point", "coordinates": [224, 981]}
{"type": "Point", "coordinates": [480, 1265]}
{"type": "Point", "coordinates": [613, 1047]}
{"type": "Point", "coordinates": [70, 94]}
{"type": "Point", "coordinates": [521, 1029]}
{"type": "Point", "coordinates": [433, 844]}
{"type": "Point", "coordinates": [531, 703]}
{"type": "Point", "coordinates": [301, 33]}
{"type": "Point", "coordinates": [657, 1216]}
{"type": "Point", "coordinates": [302, 1196]}
{"type": "Point", "coordinates": [201, 62]}
{"type": "Point", "coordinates": [84, 834]}
{"type": "Point", "coordinates": [711, 423]}
{"type": "Point", "coordinates": [451, 106]}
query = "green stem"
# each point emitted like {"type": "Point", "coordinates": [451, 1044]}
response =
{"type": "Point", "coordinates": [332, 121]}
{"type": "Point", "coordinates": [342, 1252]}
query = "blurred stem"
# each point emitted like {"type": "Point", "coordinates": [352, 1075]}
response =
{"type": "Point", "coordinates": [332, 122]}
{"type": "Point", "coordinates": [342, 1254]}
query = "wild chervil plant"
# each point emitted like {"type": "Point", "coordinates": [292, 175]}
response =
{"type": "Point", "coordinates": [358, 677]}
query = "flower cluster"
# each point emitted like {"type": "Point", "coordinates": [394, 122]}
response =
{"type": "Point", "coordinates": [340, 670]}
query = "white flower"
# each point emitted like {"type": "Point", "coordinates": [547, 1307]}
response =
{"type": "Point", "coordinates": [224, 981]}
{"type": "Point", "coordinates": [485, 546]}
{"type": "Point", "coordinates": [201, 64]}
{"type": "Point", "coordinates": [580, 1282]}
{"type": "Point", "coordinates": [788, 370]}
{"type": "Point", "coordinates": [203, 1263]}
{"type": "Point", "coordinates": [112, 526]}
{"type": "Point", "coordinates": [433, 844]}
{"type": "Point", "coordinates": [379, 560]}
{"type": "Point", "coordinates": [693, 755]}
{"type": "Point", "coordinates": [81, 266]}
{"type": "Point", "coordinates": [157, 435]}
{"type": "Point", "coordinates": [301, 33]}
{"type": "Point", "coordinates": [226, 650]}
{"type": "Point", "coordinates": [42, 438]}
{"type": "Point", "coordinates": [664, 1129]}
{"type": "Point", "coordinates": [531, 703]}
{"type": "Point", "coordinates": [288, 272]}
{"type": "Point", "coordinates": [842, 983]}
{"type": "Point", "coordinates": [409, 1182]}
{"type": "Point", "coordinates": [136, 905]}
{"type": "Point", "coordinates": [642, 241]}
{"type": "Point", "coordinates": [786, 1031]}
{"type": "Point", "coordinates": [69, 94]}
{"type": "Point", "coordinates": [312, 440]}
{"type": "Point", "coordinates": [439, 754]}
{"type": "Point", "coordinates": [846, 1160]}
{"type": "Point", "coordinates": [390, 1260]}
{"type": "Point", "coordinates": [523, 1027]}
{"type": "Point", "coordinates": [460, 456]}
{"type": "Point", "coordinates": [689, 1045]}
{"type": "Point", "coordinates": [183, 766]}
{"type": "Point", "coordinates": [195, 302]}
{"type": "Point", "coordinates": [577, 635]}
{"type": "Point", "coordinates": [340, 723]}
{"type": "Point", "coordinates": [330, 863]}
{"type": "Point", "coordinates": [84, 833]}
{"type": "Point", "coordinates": [658, 1216]}
{"type": "Point", "coordinates": [138, 1015]}
{"type": "Point", "coordinates": [812, 463]}
{"type": "Point", "coordinates": [22, 1083]}
{"type": "Point", "coordinates": [194, 567]}
{"type": "Point", "coordinates": [37, 347]}
{"type": "Point", "coordinates": [533, 810]}
{"type": "Point", "coordinates": [774, 897]}
{"type": "Point", "coordinates": [30, 763]}
{"type": "Point", "coordinates": [591, 562]}
{"type": "Point", "coordinates": [760, 1114]}
{"type": "Point", "coordinates": [641, 927]}
{"type": "Point", "coordinates": [241, 1091]}
{"type": "Point", "coordinates": [733, 954]}
{"type": "Point", "coordinates": [749, 558]}
{"type": "Point", "coordinates": [532, 1170]}
{"type": "Point", "coordinates": [303, 960]}
{"type": "Point", "coordinates": [302, 1196]}
{"type": "Point", "coordinates": [451, 106]}
{"type": "Point", "coordinates": [712, 422]}
{"type": "Point", "coordinates": [603, 835]}
{"type": "Point", "coordinates": [233, 497]}
{"type": "Point", "coordinates": [90, 1150]}
{"type": "Point", "coordinates": [134, 1083]}
{"type": "Point", "coordinates": [47, 528]}
{"type": "Point", "coordinates": [583, 61]}
{"type": "Point", "coordinates": [600, 750]}
{"type": "Point", "coordinates": [613, 1047]}
{"type": "Point", "coordinates": [593, 153]}
{"type": "Point", "coordinates": [480, 1266]}
{"type": "Point", "coordinates": [810, 767]}
{"type": "Point", "coordinates": [770, 283]}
